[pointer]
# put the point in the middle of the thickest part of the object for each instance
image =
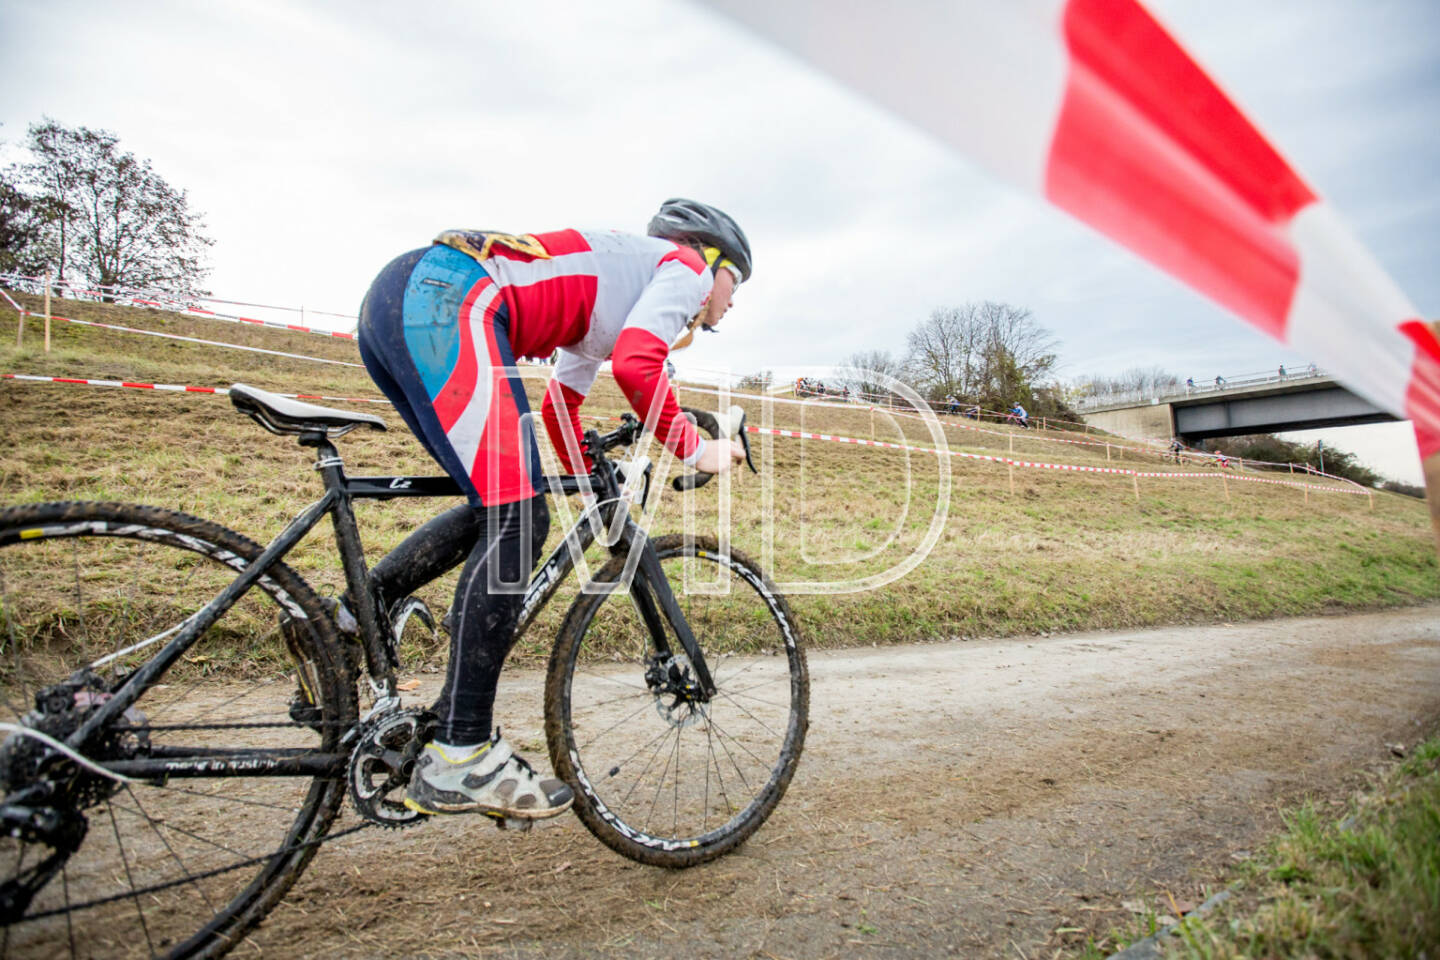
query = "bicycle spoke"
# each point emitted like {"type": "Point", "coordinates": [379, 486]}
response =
{"type": "Point", "coordinates": [721, 764]}
{"type": "Point", "coordinates": [181, 830]}
{"type": "Point", "coordinates": [638, 710]}
{"type": "Point", "coordinates": [757, 720]}
{"type": "Point", "coordinates": [659, 743]}
{"type": "Point", "coordinates": [171, 850]}
{"type": "Point", "coordinates": [90, 593]}
{"type": "Point", "coordinates": [130, 879]}
{"type": "Point", "coordinates": [660, 783]}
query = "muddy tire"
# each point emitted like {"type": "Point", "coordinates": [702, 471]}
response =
{"type": "Point", "coordinates": [659, 781]}
{"type": "Point", "coordinates": [185, 865]}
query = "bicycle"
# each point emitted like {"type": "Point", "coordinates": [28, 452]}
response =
{"type": "Point", "coordinates": [133, 817]}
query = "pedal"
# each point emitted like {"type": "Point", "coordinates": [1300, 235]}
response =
{"type": "Point", "coordinates": [513, 823]}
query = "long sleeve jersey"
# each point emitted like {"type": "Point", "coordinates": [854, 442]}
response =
{"type": "Point", "coordinates": [597, 296]}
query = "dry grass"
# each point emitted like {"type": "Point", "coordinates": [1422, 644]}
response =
{"type": "Point", "coordinates": [1063, 551]}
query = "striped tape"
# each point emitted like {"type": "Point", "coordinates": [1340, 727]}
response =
{"type": "Point", "coordinates": [750, 428]}
{"type": "Point", "coordinates": [179, 388]}
{"type": "Point", "coordinates": [176, 336]}
{"type": "Point", "coordinates": [1040, 465]}
{"type": "Point", "coordinates": [1094, 106]}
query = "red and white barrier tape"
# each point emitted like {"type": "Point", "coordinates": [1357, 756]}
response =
{"type": "Point", "coordinates": [795, 434]}
{"type": "Point", "coordinates": [176, 336]}
{"type": "Point", "coordinates": [1094, 106]}
{"type": "Point", "coordinates": [110, 290]}
{"type": "Point", "coordinates": [172, 305]}
{"type": "Point", "coordinates": [179, 388]}
{"type": "Point", "coordinates": [946, 421]}
{"type": "Point", "coordinates": [1040, 465]}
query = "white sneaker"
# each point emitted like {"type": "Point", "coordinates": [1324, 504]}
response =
{"type": "Point", "coordinates": [492, 779]}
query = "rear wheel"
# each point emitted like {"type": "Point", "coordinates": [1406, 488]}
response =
{"type": "Point", "coordinates": [170, 865]}
{"type": "Point", "coordinates": [660, 776]}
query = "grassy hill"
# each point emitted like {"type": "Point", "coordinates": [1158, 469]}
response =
{"type": "Point", "coordinates": [1063, 551]}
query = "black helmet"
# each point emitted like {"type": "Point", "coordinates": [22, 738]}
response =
{"type": "Point", "coordinates": [689, 221]}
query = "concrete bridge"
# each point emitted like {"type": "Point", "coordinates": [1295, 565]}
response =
{"type": "Point", "coordinates": [1256, 403]}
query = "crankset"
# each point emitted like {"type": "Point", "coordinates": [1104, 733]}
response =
{"type": "Point", "coordinates": [381, 763]}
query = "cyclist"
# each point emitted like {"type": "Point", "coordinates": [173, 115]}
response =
{"type": "Point", "coordinates": [1018, 414]}
{"type": "Point", "coordinates": [440, 331]}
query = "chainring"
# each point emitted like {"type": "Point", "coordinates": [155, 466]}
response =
{"type": "Point", "coordinates": [381, 764]}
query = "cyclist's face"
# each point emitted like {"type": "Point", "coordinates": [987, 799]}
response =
{"type": "Point", "coordinates": [721, 297]}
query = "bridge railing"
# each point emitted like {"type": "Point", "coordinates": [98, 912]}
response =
{"type": "Point", "coordinates": [1213, 387]}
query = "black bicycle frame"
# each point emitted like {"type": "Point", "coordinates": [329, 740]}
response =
{"type": "Point", "coordinates": [649, 588]}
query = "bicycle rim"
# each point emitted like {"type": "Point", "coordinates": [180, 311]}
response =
{"type": "Point", "coordinates": [181, 865]}
{"type": "Point", "coordinates": [657, 779]}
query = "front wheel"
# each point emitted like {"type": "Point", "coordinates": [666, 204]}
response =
{"type": "Point", "coordinates": [661, 777]}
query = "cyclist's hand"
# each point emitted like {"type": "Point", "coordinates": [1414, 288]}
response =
{"type": "Point", "coordinates": [719, 456]}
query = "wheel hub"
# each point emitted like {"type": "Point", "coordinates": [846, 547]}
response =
{"type": "Point", "coordinates": [678, 698]}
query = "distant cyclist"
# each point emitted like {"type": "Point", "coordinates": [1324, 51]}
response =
{"type": "Point", "coordinates": [440, 331]}
{"type": "Point", "coordinates": [1018, 414]}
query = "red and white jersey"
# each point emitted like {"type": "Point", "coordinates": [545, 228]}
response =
{"type": "Point", "coordinates": [598, 296]}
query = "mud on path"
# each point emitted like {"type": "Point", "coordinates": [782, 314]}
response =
{"type": "Point", "coordinates": [961, 798]}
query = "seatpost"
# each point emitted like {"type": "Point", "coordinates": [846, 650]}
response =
{"type": "Point", "coordinates": [378, 654]}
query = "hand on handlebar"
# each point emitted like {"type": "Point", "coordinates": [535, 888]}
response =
{"type": "Point", "coordinates": [719, 456]}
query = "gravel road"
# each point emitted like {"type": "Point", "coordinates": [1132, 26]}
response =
{"type": "Point", "coordinates": [980, 798]}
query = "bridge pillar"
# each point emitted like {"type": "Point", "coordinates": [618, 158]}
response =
{"type": "Point", "coordinates": [1156, 420]}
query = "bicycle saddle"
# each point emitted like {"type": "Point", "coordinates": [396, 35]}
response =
{"type": "Point", "coordinates": [282, 415]}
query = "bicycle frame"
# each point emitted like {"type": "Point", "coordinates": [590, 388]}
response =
{"type": "Point", "coordinates": [650, 590]}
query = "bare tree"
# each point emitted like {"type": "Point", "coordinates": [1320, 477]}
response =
{"type": "Point", "coordinates": [1145, 381]}
{"type": "Point", "coordinates": [982, 352]}
{"type": "Point", "coordinates": [109, 215]}
{"type": "Point", "coordinates": [859, 372]}
{"type": "Point", "coordinates": [942, 351]}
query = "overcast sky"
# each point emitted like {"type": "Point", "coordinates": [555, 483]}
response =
{"type": "Point", "coordinates": [322, 139]}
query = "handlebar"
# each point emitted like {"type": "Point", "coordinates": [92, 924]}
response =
{"type": "Point", "coordinates": [734, 428]}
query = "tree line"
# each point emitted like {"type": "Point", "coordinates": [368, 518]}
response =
{"type": "Point", "coordinates": [987, 353]}
{"type": "Point", "coordinates": [87, 211]}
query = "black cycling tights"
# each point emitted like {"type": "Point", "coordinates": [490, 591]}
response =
{"type": "Point", "coordinates": [499, 545]}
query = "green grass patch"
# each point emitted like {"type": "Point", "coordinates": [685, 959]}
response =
{"type": "Point", "coordinates": [1363, 882]}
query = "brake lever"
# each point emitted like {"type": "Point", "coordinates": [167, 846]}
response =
{"type": "Point", "coordinates": [745, 443]}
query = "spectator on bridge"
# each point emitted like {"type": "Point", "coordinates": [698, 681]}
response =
{"type": "Point", "coordinates": [1310, 371]}
{"type": "Point", "coordinates": [1282, 371]}
{"type": "Point", "coordinates": [1189, 385]}
{"type": "Point", "coordinates": [1219, 382]}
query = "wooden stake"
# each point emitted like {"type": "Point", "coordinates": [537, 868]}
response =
{"type": "Point", "coordinates": [1012, 443]}
{"type": "Point", "coordinates": [1136, 478]}
{"type": "Point", "coordinates": [1225, 482]}
{"type": "Point", "coordinates": [47, 311]}
{"type": "Point", "coordinates": [1012, 477]}
{"type": "Point", "coordinates": [1042, 423]}
{"type": "Point", "coordinates": [1107, 453]}
{"type": "Point", "coordinates": [1292, 469]}
{"type": "Point", "coordinates": [872, 423]}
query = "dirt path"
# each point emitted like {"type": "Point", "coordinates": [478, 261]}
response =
{"type": "Point", "coordinates": [965, 798]}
